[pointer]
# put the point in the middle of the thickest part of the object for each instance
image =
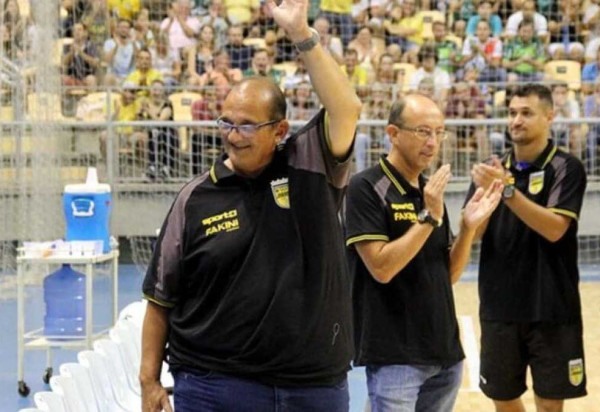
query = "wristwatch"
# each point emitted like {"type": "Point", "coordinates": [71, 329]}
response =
{"type": "Point", "coordinates": [509, 187]}
{"type": "Point", "coordinates": [425, 217]}
{"type": "Point", "coordinates": [308, 44]}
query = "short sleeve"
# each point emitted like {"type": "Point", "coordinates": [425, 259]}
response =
{"type": "Point", "coordinates": [365, 212]}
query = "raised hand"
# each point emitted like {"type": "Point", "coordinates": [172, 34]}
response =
{"type": "Point", "coordinates": [481, 205]}
{"type": "Point", "coordinates": [433, 193]}
{"type": "Point", "coordinates": [291, 16]}
{"type": "Point", "coordinates": [484, 174]}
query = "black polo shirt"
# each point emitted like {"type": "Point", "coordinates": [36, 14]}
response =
{"type": "Point", "coordinates": [522, 276]}
{"type": "Point", "coordinates": [255, 271]}
{"type": "Point", "coordinates": [411, 319]}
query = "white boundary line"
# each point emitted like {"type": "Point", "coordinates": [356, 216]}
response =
{"type": "Point", "coordinates": [470, 347]}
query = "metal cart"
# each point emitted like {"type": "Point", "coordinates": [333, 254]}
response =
{"type": "Point", "coordinates": [35, 339]}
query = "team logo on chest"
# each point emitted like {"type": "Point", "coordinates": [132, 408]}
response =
{"type": "Point", "coordinates": [576, 371]}
{"type": "Point", "coordinates": [281, 192]}
{"type": "Point", "coordinates": [536, 182]}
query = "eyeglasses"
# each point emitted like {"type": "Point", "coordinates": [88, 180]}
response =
{"type": "Point", "coordinates": [424, 133]}
{"type": "Point", "coordinates": [246, 130]}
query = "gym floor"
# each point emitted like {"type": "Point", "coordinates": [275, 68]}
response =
{"type": "Point", "coordinates": [470, 399]}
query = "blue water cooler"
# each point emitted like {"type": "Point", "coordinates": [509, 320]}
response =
{"type": "Point", "coordinates": [64, 296]}
{"type": "Point", "coordinates": [87, 209]}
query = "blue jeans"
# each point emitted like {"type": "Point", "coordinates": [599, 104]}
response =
{"type": "Point", "coordinates": [212, 392]}
{"type": "Point", "coordinates": [409, 388]}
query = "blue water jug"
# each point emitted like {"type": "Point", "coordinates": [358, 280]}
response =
{"type": "Point", "coordinates": [64, 295]}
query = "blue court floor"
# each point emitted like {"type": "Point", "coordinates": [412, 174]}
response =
{"type": "Point", "coordinates": [130, 282]}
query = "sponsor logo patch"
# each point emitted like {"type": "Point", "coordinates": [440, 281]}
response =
{"type": "Point", "coordinates": [536, 182]}
{"type": "Point", "coordinates": [281, 192]}
{"type": "Point", "coordinates": [576, 371]}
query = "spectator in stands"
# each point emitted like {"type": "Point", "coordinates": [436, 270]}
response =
{"type": "Point", "coordinates": [119, 53]}
{"type": "Point", "coordinates": [261, 66]}
{"type": "Point", "coordinates": [357, 75]}
{"type": "Point", "coordinates": [367, 49]}
{"type": "Point", "coordinates": [181, 27]}
{"type": "Point", "coordinates": [485, 12]}
{"type": "Point", "coordinates": [142, 31]}
{"type": "Point", "coordinates": [206, 140]}
{"type": "Point", "coordinates": [331, 44]}
{"type": "Point", "coordinates": [386, 74]}
{"type": "Point", "coordinates": [240, 55]}
{"type": "Point", "coordinates": [96, 19]}
{"type": "Point", "coordinates": [466, 102]}
{"type": "Point", "coordinates": [527, 12]}
{"type": "Point", "coordinates": [80, 60]}
{"type": "Point", "coordinates": [591, 23]}
{"type": "Point", "coordinates": [220, 74]}
{"type": "Point", "coordinates": [484, 54]}
{"type": "Point", "coordinates": [202, 52]}
{"type": "Point", "coordinates": [240, 12]}
{"type": "Point", "coordinates": [167, 62]}
{"type": "Point", "coordinates": [10, 49]}
{"type": "Point", "coordinates": [14, 22]}
{"type": "Point", "coordinates": [406, 27]}
{"type": "Point", "coordinates": [216, 19]}
{"type": "Point", "coordinates": [589, 74]}
{"type": "Point", "coordinates": [163, 142]}
{"type": "Point", "coordinates": [524, 56]}
{"type": "Point", "coordinates": [73, 10]}
{"type": "Point", "coordinates": [292, 80]}
{"type": "Point", "coordinates": [566, 31]}
{"type": "Point", "coordinates": [591, 108]}
{"type": "Point", "coordinates": [441, 80]}
{"type": "Point", "coordinates": [567, 136]}
{"type": "Point", "coordinates": [124, 9]}
{"type": "Point", "coordinates": [339, 15]}
{"type": "Point", "coordinates": [447, 50]}
{"type": "Point", "coordinates": [376, 107]}
{"type": "Point", "coordinates": [303, 102]}
{"type": "Point", "coordinates": [144, 74]}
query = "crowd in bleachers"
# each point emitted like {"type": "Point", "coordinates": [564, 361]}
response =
{"type": "Point", "coordinates": [466, 54]}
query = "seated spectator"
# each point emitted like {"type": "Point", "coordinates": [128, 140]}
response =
{"type": "Point", "coordinates": [447, 53]}
{"type": "Point", "coordinates": [441, 80]}
{"type": "Point", "coordinates": [331, 44]}
{"type": "Point", "coordinates": [527, 12]}
{"type": "Point", "coordinates": [591, 23]}
{"type": "Point", "coordinates": [201, 53]}
{"type": "Point", "coordinates": [124, 9]}
{"type": "Point", "coordinates": [96, 19]}
{"type": "Point", "coordinates": [14, 22]}
{"type": "Point", "coordinates": [180, 26]}
{"type": "Point", "coordinates": [591, 108]}
{"type": "Point", "coordinates": [386, 74]}
{"type": "Point", "coordinates": [239, 54]}
{"type": "Point", "coordinates": [163, 142]}
{"type": "Point", "coordinates": [207, 143]}
{"type": "Point", "coordinates": [80, 60]}
{"type": "Point", "coordinates": [261, 66]}
{"type": "Point", "coordinates": [144, 74]}
{"type": "Point", "coordinates": [376, 107]}
{"type": "Point", "coordinates": [405, 27]}
{"type": "Point", "coordinates": [366, 48]}
{"type": "Point", "coordinates": [484, 54]}
{"type": "Point", "coordinates": [167, 62]}
{"type": "Point", "coordinates": [216, 19]}
{"type": "Point", "coordinates": [566, 31]}
{"type": "Point", "coordinates": [567, 136]}
{"type": "Point", "coordinates": [524, 56]}
{"type": "Point", "coordinates": [339, 15]}
{"type": "Point", "coordinates": [466, 102]}
{"type": "Point", "coordinates": [141, 30]}
{"type": "Point", "coordinates": [302, 102]}
{"type": "Point", "coordinates": [357, 75]}
{"type": "Point", "coordinates": [589, 74]}
{"type": "Point", "coordinates": [485, 12]}
{"type": "Point", "coordinates": [220, 74]}
{"type": "Point", "coordinates": [119, 53]}
{"type": "Point", "coordinates": [70, 13]}
{"type": "Point", "coordinates": [242, 12]}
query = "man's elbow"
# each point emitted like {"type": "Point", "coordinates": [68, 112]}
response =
{"type": "Point", "coordinates": [381, 275]}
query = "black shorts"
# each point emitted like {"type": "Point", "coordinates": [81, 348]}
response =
{"type": "Point", "coordinates": [554, 352]}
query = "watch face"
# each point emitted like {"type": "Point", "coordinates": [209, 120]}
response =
{"type": "Point", "coordinates": [508, 191]}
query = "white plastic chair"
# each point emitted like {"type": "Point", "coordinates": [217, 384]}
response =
{"type": "Point", "coordinates": [122, 392]}
{"type": "Point", "coordinates": [83, 381]}
{"type": "Point", "coordinates": [134, 312]}
{"type": "Point", "coordinates": [95, 363]}
{"type": "Point", "coordinates": [49, 402]}
{"type": "Point", "coordinates": [66, 387]}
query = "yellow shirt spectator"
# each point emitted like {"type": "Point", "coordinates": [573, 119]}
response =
{"type": "Point", "coordinates": [359, 76]}
{"type": "Point", "coordinates": [337, 6]}
{"type": "Point", "coordinates": [143, 80]}
{"type": "Point", "coordinates": [241, 11]}
{"type": "Point", "coordinates": [125, 9]}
